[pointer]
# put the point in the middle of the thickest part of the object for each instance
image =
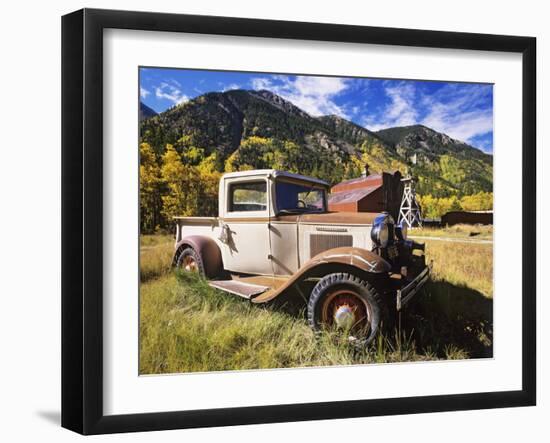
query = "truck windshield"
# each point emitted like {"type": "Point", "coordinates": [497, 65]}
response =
{"type": "Point", "coordinates": [296, 198]}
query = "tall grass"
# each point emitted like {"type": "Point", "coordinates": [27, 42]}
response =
{"type": "Point", "coordinates": [462, 264]}
{"type": "Point", "coordinates": [187, 326]}
{"type": "Point", "coordinates": [470, 232]}
{"type": "Point", "coordinates": [155, 256]}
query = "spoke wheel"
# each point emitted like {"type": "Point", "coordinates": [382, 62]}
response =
{"type": "Point", "coordinates": [348, 305]}
{"type": "Point", "coordinates": [190, 264]}
{"type": "Point", "coordinates": [344, 309]}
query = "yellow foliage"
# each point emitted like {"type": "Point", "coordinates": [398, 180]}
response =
{"type": "Point", "coordinates": [182, 182]}
{"type": "Point", "coordinates": [482, 201]}
{"type": "Point", "coordinates": [433, 207]}
{"type": "Point", "coordinates": [150, 188]}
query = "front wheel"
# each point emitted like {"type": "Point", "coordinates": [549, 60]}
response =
{"type": "Point", "coordinates": [346, 303]}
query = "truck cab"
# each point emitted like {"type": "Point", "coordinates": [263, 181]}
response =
{"type": "Point", "coordinates": [259, 210]}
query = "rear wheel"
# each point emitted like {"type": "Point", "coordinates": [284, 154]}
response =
{"type": "Point", "coordinates": [190, 261]}
{"type": "Point", "coordinates": [348, 304]}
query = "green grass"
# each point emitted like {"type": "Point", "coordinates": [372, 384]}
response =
{"type": "Point", "coordinates": [155, 256]}
{"type": "Point", "coordinates": [187, 326]}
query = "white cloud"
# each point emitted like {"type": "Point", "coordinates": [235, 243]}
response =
{"type": "Point", "coordinates": [463, 126]}
{"type": "Point", "coordinates": [315, 95]}
{"type": "Point", "coordinates": [319, 86]}
{"type": "Point", "coordinates": [143, 92]}
{"type": "Point", "coordinates": [400, 111]}
{"type": "Point", "coordinates": [260, 83]}
{"type": "Point", "coordinates": [171, 92]}
{"type": "Point", "coordinates": [361, 84]}
{"type": "Point", "coordinates": [231, 87]}
{"type": "Point", "coordinates": [460, 111]}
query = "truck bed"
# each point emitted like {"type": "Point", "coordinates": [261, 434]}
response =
{"type": "Point", "coordinates": [197, 220]}
{"type": "Point", "coordinates": [209, 226]}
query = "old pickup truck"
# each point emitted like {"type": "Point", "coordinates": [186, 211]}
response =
{"type": "Point", "coordinates": [275, 236]}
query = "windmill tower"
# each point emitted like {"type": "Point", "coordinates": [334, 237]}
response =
{"type": "Point", "coordinates": [410, 209]}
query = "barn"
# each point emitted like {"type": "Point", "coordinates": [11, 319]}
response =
{"type": "Point", "coordinates": [368, 193]}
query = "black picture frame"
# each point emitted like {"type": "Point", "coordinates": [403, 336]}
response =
{"type": "Point", "coordinates": [82, 218]}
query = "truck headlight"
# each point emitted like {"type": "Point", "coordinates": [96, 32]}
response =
{"type": "Point", "coordinates": [380, 234]}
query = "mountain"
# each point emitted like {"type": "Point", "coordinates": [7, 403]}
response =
{"type": "Point", "coordinates": [219, 121]}
{"type": "Point", "coordinates": [145, 111]}
{"type": "Point", "coordinates": [245, 128]}
{"type": "Point", "coordinates": [436, 155]}
{"type": "Point", "coordinates": [427, 143]}
{"type": "Point", "coordinates": [347, 130]}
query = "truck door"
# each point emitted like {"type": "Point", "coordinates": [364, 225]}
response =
{"type": "Point", "coordinates": [246, 246]}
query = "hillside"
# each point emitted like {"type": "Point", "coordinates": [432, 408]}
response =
{"type": "Point", "coordinates": [428, 144]}
{"type": "Point", "coordinates": [145, 111]}
{"type": "Point", "coordinates": [440, 159]}
{"type": "Point", "coordinates": [242, 129]}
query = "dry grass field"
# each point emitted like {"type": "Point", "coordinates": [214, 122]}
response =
{"type": "Point", "coordinates": [155, 256]}
{"type": "Point", "coordinates": [467, 232]}
{"type": "Point", "coordinates": [186, 326]}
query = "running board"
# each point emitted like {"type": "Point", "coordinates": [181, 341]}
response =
{"type": "Point", "coordinates": [245, 290]}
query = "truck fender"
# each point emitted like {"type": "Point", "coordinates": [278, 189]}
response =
{"type": "Point", "coordinates": [363, 259]}
{"type": "Point", "coordinates": [207, 248]}
{"type": "Point", "coordinates": [332, 260]}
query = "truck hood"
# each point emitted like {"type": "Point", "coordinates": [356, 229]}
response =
{"type": "Point", "coordinates": [332, 218]}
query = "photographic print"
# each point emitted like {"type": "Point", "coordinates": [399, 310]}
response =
{"type": "Point", "coordinates": [291, 221]}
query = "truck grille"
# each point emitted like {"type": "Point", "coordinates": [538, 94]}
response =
{"type": "Point", "coordinates": [320, 242]}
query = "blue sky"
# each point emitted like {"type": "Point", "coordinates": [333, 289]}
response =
{"type": "Point", "coordinates": [461, 110]}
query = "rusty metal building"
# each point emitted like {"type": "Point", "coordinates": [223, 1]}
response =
{"type": "Point", "coordinates": [370, 193]}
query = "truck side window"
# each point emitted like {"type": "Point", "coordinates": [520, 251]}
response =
{"type": "Point", "coordinates": [249, 196]}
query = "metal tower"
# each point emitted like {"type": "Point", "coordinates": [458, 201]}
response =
{"type": "Point", "coordinates": [410, 209]}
